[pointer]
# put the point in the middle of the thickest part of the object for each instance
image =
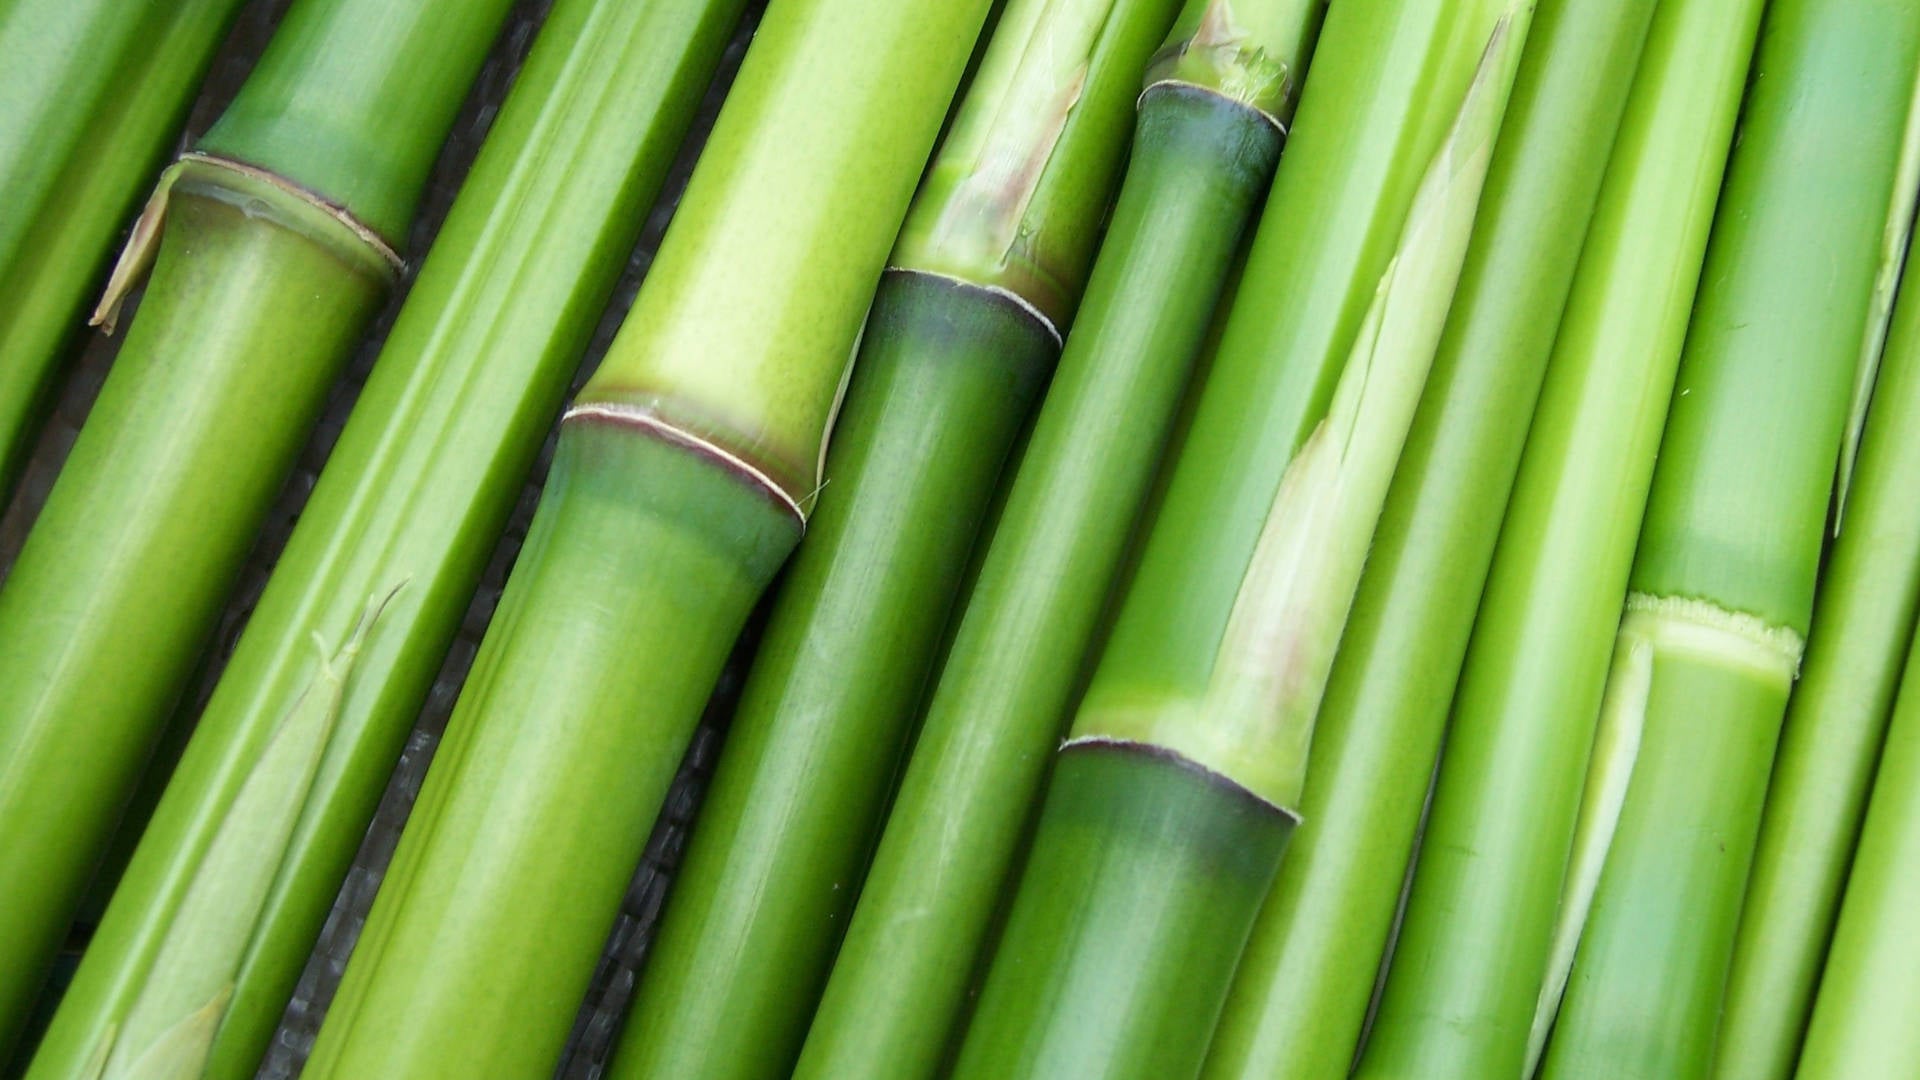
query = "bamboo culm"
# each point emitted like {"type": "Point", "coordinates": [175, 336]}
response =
{"type": "Point", "coordinates": [456, 407]}
{"type": "Point", "coordinates": [682, 478]}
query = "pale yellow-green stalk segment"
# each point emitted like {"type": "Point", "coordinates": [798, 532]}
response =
{"type": "Point", "coordinates": [168, 1031]}
{"type": "Point", "coordinates": [1652, 628]}
{"type": "Point", "coordinates": [1893, 259]}
{"type": "Point", "coordinates": [1238, 50]}
{"type": "Point", "coordinates": [1254, 721]}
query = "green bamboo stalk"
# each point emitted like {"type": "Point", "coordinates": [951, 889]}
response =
{"type": "Point", "coordinates": [1473, 947]}
{"type": "Point", "coordinates": [275, 247]}
{"type": "Point", "coordinates": [1724, 578]}
{"type": "Point", "coordinates": [92, 95]}
{"type": "Point", "coordinates": [1324, 928]}
{"type": "Point", "coordinates": [963, 333]}
{"type": "Point", "coordinates": [1837, 717]}
{"type": "Point", "coordinates": [1862, 1023]}
{"type": "Point", "coordinates": [1208, 134]}
{"type": "Point", "coordinates": [1170, 808]}
{"type": "Point", "coordinates": [404, 517]}
{"type": "Point", "coordinates": [678, 490]}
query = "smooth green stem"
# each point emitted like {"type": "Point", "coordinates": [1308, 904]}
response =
{"type": "Point", "coordinates": [1863, 1021]}
{"type": "Point", "coordinates": [1704, 695]}
{"type": "Point", "coordinates": [1325, 926]}
{"type": "Point", "coordinates": [668, 551]}
{"type": "Point", "coordinates": [1836, 720]}
{"type": "Point", "coordinates": [773, 867]}
{"type": "Point", "coordinates": [960, 341]}
{"type": "Point", "coordinates": [1200, 164]}
{"type": "Point", "coordinates": [1835, 724]}
{"type": "Point", "coordinates": [413, 500]}
{"type": "Point", "coordinates": [1734, 528]}
{"type": "Point", "coordinates": [680, 489]}
{"type": "Point", "coordinates": [92, 95]}
{"type": "Point", "coordinates": [1466, 973]}
{"type": "Point", "coordinates": [186, 446]}
{"type": "Point", "coordinates": [1146, 874]}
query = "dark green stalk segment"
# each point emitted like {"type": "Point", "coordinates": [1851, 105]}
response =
{"type": "Point", "coordinates": [962, 336]}
{"type": "Point", "coordinates": [1200, 165]}
{"type": "Point", "coordinates": [1835, 723]}
{"type": "Point", "coordinates": [673, 538]}
{"type": "Point", "coordinates": [940, 390]}
{"type": "Point", "coordinates": [1732, 538]}
{"type": "Point", "coordinates": [92, 93]}
{"type": "Point", "coordinates": [1863, 1022]}
{"type": "Point", "coordinates": [1326, 924]}
{"type": "Point", "coordinates": [244, 321]}
{"type": "Point", "coordinates": [1088, 981]}
{"type": "Point", "coordinates": [404, 517]}
{"type": "Point", "coordinates": [679, 490]}
{"type": "Point", "coordinates": [1474, 945]}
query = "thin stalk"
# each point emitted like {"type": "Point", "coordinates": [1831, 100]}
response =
{"type": "Point", "coordinates": [1207, 136]}
{"type": "Point", "coordinates": [677, 492]}
{"type": "Point", "coordinates": [1325, 926]}
{"type": "Point", "coordinates": [1466, 973]}
{"type": "Point", "coordinates": [1862, 1025]}
{"type": "Point", "coordinates": [1836, 720]}
{"type": "Point", "coordinates": [92, 95]}
{"type": "Point", "coordinates": [1166, 819]}
{"type": "Point", "coordinates": [402, 521]}
{"type": "Point", "coordinates": [266, 273]}
{"type": "Point", "coordinates": [963, 334]}
{"type": "Point", "coordinates": [1723, 581]}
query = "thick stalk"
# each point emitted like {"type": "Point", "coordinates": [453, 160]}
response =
{"type": "Point", "coordinates": [402, 522]}
{"type": "Point", "coordinates": [1862, 1023]}
{"type": "Point", "coordinates": [1473, 947]}
{"type": "Point", "coordinates": [1724, 578]}
{"type": "Point", "coordinates": [1836, 721]}
{"type": "Point", "coordinates": [266, 276]}
{"type": "Point", "coordinates": [1202, 158]}
{"type": "Point", "coordinates": [679, 489]}
{"type": "Point", "coordinates": [92, 95]}
{"type": "Point", "coordinates": [1325, 926]}
{"type": "Point", "coordinates": [963, 334]}
{"type": "Point", "coordinates": [1112, 959]}
{"type": "Point", "coordinates": [1140, 860]}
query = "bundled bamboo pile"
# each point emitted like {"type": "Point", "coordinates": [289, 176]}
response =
{"type": "Point", "coordinates": [1258, 538]}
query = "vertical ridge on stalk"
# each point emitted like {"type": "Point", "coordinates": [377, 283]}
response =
{"type": "Point", "coordinates": [1208, 132]}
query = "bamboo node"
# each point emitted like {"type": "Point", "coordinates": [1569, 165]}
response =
{"type": "Point", "coordinates": [646, 420]}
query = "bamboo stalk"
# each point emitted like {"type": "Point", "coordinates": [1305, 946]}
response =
{"type": "Point", "coordinates": [1862, 1022]}
{"type": "Point", "coordinates": [1169, 810]}
{"type": "Point", "coordinates": [679, 488]}
{"type": "Point", "coordinates": [92, 95]}
{"type": "Point", "coordinates": [962, 336]}
{"type": "Point", "coordinates": [275, 247]}
{"type": "Point", "coordinates": [1324, 928]}
{"type": "Point", "coordinates": [1473, 947]}
{"type": "Point", "coordinates": [1724, 578]}
{"type": "Point", "coordinates": [1838, 714]}
{"type": "Point", "coordinates": [402, 521]}
{"type": "Point", "coordinates": [1207, 137]}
